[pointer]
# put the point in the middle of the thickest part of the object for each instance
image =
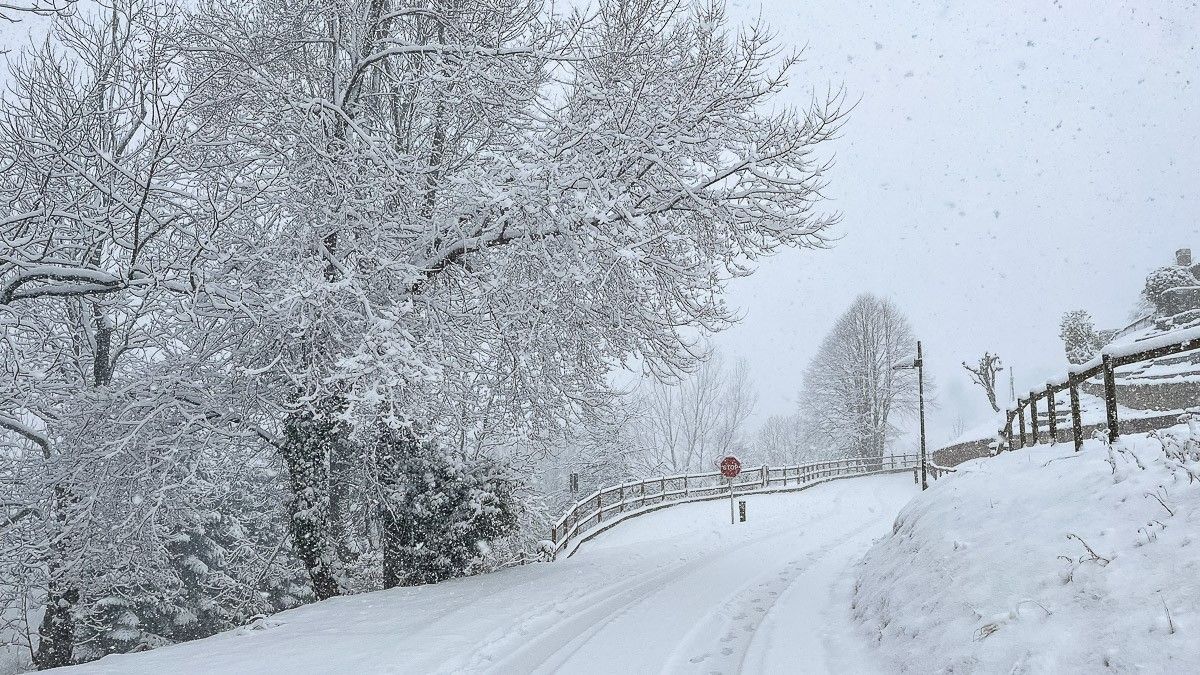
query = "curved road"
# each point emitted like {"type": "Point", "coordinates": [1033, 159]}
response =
{"type": "Point", "coordinates": [679, 590]}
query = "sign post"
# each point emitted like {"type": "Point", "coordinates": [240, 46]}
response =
{"type": "Point", "coordinates": [730, 468]}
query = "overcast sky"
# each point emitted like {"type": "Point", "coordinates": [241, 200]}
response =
{"type": "Point", "coordinates": [1007, 161]}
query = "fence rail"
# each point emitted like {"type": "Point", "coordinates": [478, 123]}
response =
{"type": "Point", "coordinates": [634, 496]}
{"type": "Point", "coordinates": [1104, 365]}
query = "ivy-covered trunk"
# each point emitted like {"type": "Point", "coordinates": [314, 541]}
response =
{"type": "Point", "coordinates": [56, 636]}
{"type": "Point", "coordinates": [396, 448]}
{"type": "Point", "coordinates": [308, 440]}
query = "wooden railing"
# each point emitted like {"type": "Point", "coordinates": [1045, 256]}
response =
{"type": "Point", "coordinates": [1104, 365]}
{"type": "Point", "coordinates": [647, 494]}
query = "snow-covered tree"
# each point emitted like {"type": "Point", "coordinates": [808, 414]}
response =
{"type": "Point", "coordinates": [478, 209]}
{"type": "Point", "coordinates": [687, 425]}
{"type": "Point", "coordinates": [852, 395]}
{"type": "Point", "coordinates": [116, 349]}
{"type": "Point", "coordinates": [1079, 336]}
{"type": "Point", "coordinates": [780, 440]}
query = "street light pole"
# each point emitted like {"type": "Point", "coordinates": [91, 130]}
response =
{"type": "Point", "coordinates": [920, 363]}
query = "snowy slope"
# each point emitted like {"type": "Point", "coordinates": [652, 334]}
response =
{"type": "Point", "coordinates": [679, 590]}
{"type": "Point", "coordinates": [990, 570]}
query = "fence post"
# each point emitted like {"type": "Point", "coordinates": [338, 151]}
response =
{"type": "Point", "coordinates": [685, 485]}
{"type": "Point", "coordinates": [599, 506]}
{"type": "Point", "coordinates": [621, 496]}
{"type": "Point", "coordinates": [662, 488]}
{"type": "Point", "coordinates": [642, 496]}
{"type": "Point", "coordinates": [765, 478]}
{"type": "Point", "coordinates": [1110, 397]}
{"type": "Point", "coordinates": [1052, 413]}
{"type": "Point", "coordinates": [554, 534]}
{"type": "Point", "coordinates": [1033, 416]}
{"type": "Point", "coordinates": [1021, 413]}
{"type": "Point", "coordinates": [1076, 420]}
{"type": "Point", "coordinates": [1008, 432]}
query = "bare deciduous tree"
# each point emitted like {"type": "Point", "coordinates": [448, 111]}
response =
{"type": "Point", "coordinates": [851, 392]}
{"type": "Point", "coordinates": [984, 375]}
{"type": "Point", "coordinates": [685, 426]}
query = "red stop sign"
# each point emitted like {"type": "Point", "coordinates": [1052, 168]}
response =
{"type": "Point", "coordinates": [730, 467]}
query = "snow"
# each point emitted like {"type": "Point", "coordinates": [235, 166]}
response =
{"type": "Point", "coordinates": [1185, 335]}
{"type": "Point", "coordinates": [677, 590]}
{"type": "Point", "coordinates": [989, 570]}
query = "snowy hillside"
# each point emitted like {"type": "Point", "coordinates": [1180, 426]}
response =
{"type": "Point", "coordinates": [1045, 561]}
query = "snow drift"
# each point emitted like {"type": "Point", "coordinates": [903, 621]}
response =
{"type": "Point", "coordinates": [1046, 560]}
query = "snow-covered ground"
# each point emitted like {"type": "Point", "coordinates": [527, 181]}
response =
{"type": "Point", "coordinates": [990, 570]}
{"type": "Point", "coordinates": [679, 590]}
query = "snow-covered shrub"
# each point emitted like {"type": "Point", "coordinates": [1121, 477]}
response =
{"type": "Point", "coordinates": [1166, 279]}
{"type": "Point", "coordinates": [441, 510]}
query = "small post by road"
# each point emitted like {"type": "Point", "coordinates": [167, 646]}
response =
{"type": "Point", "coordinates": [731, 521]}
{"type": "Point", "coordinates": [742, 510]}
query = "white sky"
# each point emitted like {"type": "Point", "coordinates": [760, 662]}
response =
{"type": "Point", "coordinates": [1007, 161]}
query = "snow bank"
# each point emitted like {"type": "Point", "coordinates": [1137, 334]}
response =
{"type": "Point", "coordinates": [1045, 561]}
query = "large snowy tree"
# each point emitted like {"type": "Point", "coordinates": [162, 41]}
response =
{"type": "Point", "coordinates": [852, 395]}
{"type": "Point", "coordinates": [478, 209]}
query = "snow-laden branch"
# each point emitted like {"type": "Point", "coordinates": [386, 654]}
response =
{"type": "Point", "coordinates": [76, 281]}
{"type": "Point", "coordinates": [25, 431]}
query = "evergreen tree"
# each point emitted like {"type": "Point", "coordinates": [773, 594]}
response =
{"type": "Point", "coordinates": [440, 509]}
{"type": "Point", "coordinates": [1079, 336]}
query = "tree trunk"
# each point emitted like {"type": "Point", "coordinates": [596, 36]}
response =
{"type": "Point", "coordinates": [340, 524]}
{"type": "Point", "coordinates": [56, 637]}
{"type": "Point", "coordinates": [308, 440]}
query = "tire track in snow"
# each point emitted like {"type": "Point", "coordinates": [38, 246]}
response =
{"type": "Point", "coordinates": [575, 622]}
{"type": "Point", "coordinates": [722, 639]}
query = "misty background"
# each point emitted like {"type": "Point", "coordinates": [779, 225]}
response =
{"type": "Point", "coordinates": [1006, 162]}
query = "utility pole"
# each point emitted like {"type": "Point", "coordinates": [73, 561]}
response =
{"type": "Point", "coordinates": [920, 363]}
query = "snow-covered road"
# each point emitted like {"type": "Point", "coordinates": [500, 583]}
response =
{"type": "Point", "coordinates": [679, 590]}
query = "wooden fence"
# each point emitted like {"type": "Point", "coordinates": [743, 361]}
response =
{"type": "Point", "coordinates": [618, 502]}
{"type": "Point", "coordinates": [1104, 365]}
